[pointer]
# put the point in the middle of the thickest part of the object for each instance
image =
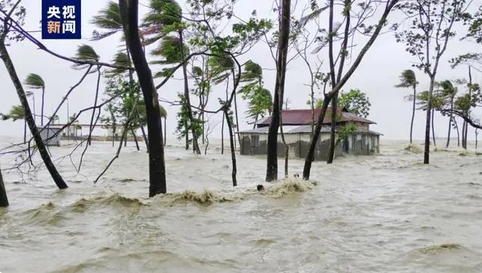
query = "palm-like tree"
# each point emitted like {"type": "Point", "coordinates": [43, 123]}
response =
{"type": "Point", "coordinates": [163, 23]}
{"type": "Point", "coordinates": [259, 98]}
{"type": "Point", "coordinates": [85, 53]}
{"type": "Point", "coordinates": [221, 70]}
{"type": "Point", "coordinates": [449, 91]}
{"type": "Point", "coordinates": [34, 81]}
{"type": "Point", "coordinates": [109, 20]}
{"type": "Point", "coordinates": [437, 101]}
{"type": "Point", "coordinates": [17, 113]}
{"type": "Point", "coordinates": [32, 94]}
{"type": "Point", "coordinates": [408, 79]}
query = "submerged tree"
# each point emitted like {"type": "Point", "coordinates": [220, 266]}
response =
{"type": "Point", "coordinates": [448, 91]}
{"type": "Point", "coordinates": [427, 38]}
{"type": "Point", "coordinates": [157, 168]}
{"type": "Point", "coordinates": [6, 33]}
{"type": "Point", "coordinates": [408, 79]}
{"type": "Point", "coordinates": [281, 61]}
{"type": "Point", "coordinates": [339, 79]}
{"type": "Point", "coordinates": [3, 192]}
{"type": "Point", "coordinates": [165, 22]}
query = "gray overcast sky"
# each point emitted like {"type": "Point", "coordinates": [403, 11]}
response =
{"type": "Point", "coordinates": [376, 76]}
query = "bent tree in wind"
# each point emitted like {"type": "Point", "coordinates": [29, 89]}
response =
{"type": "Point", "coordinates": [5, 25]}
{"type": "Point", "coordinates": [157, 168]}
{"type": "Point", "coordinates": [432, 27]}
{"type": "Point", "coordinates": [409, 79]}
{"type": "Point", "coordinates": [341, 78]}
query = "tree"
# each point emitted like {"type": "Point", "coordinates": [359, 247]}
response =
{"type": "Point", "coordinates": [408, 79]}
{"type": "Point", "coordinates": [127, 108]}
{"type": "Point", "coordinates": [19, 12]}
{"type": "Point", "coordinates": [259, 99]}
{"type": "Point", "coordinates": [356, 102]}
{"type": "Point", "coordinates": [448, 91]}
{"type": "Point", "coordinates": [427, 39]}
{"type": "Point", "coordinates": [109, 20]}
{"type": "Point", "coordinates": [437, 103]}
{"type": "Point", "coordinates": [157, 168]}
{"type": "Point", "coordinates": [34, 81]}
{"type": "Point", "coordinates": [3, 193]}
{"type": "Point", "coordinates": [165, 17]}
{"type": "Point", "coordinates": [338, 81]}
{"type": "Point", "coordinates": [16, 113]}
{"type": "Point", "coordinates": [284, 31]}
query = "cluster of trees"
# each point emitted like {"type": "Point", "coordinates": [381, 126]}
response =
{"type": "Point", "coordinates": [454, 99]}
{"type": "Point", "coordinates": [193, 43]}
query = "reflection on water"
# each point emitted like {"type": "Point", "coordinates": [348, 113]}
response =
{"type": "Point", "coordinates": [387, 213]}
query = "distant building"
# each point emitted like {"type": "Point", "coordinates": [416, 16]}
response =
{"type": "Point", "coordinates": [50, 135]}
{"type": "Point", "coordinates": [297, 130]}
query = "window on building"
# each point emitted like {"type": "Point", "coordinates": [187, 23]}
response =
{"type": "Point", "coordinates": [255, 140]}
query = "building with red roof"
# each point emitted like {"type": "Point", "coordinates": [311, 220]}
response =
{"type": "Point", "coordinates": [297, 128]}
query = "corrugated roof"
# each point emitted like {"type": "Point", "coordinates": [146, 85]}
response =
{"type": "Point", "coordinates": [303, 117]}
{"type": "Point", "coordinates": [307, 129]}
{"type": "Point", "coordinates": [264, 130]}
{"type": "Point", "coordinates": [302, 129]}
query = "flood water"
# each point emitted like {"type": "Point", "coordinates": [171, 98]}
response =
{"type": "Point", "coordinates": [386, 213]}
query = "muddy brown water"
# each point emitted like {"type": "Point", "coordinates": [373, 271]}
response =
{"type": "Point", "coordinates": [387, 213]}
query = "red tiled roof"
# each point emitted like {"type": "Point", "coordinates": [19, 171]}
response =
{"type": "Point", "coordinates": [303, 117]}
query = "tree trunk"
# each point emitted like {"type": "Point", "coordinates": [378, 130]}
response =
{"type": "Point", "coordinates": [186, 137]}
{"type": "Point", "coordinates": [195, 145]}
{"type": "Point", "coordinates": [222, 135]}
{"type": "Point", "coordinates": [237, 118]}
{"type": "Point", "coordinates": [450, 121]}
{"type": "Point", "coordinates": [272, 160]}
{"type": "Point", "coordinates": [458, 131]}
{"type": "Point", "coordinates": [331, 151]}
{"type": "Point", "coordinates": [433, 128]}
{"type": "Point", "coordinates": [426, 152]}
{"type": "Point", "coordinates": [144, 136]}
{"type": "Point", "coordinates": [319, 123]}
{"type": "Point", "coordinates": [233, 154]}
{"type": "Point", "coordinates": [203, 120]}
{"type": "Point", "coordinates": [165, 131]}
{"type": "Point", "coordinates": [135, 139]}
{"type": "Point", "coordinates": [42, 109]}
{"type": "Point", "coordinates": [287, 149]}
{"type": "Point", "coordinates": [157, 168]}
{"type": "Point", "coordinates": [222, 121]}
{"type": "Point", "coordinates": [463, 134]}
{"type": "Point", "coordinates": [413, 113]}
{"type": "Point", "coordinates": [3, 193]}
{"type": "Point", "coordinates": [24, 130]}
{"type": "Point", "coordinates": [476, 137]}
{"type": "Point", "coordinates": [59, 181]}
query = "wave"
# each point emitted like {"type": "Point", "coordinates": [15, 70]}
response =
{"type": "Point", "coordinates": [435, 249]}
{"type": "Point", "coordinates": [206, 197]}
{"type": "Point", "coordinates": [289, 186]}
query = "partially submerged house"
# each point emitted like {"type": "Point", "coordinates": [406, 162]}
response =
{"type": "Point", "coordinates": [297, 128]}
